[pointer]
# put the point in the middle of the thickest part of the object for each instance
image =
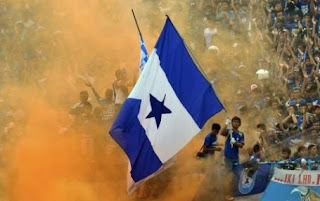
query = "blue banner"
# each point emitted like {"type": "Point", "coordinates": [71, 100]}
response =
{"type": "Point", "coordinates": [249, 181]}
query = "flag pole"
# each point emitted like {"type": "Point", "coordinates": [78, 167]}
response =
{"type": "Point", "coordinates": [135, 19]}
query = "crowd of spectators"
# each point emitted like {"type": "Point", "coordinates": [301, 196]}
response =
{"type": "Point", "coordinates": [282, 102]}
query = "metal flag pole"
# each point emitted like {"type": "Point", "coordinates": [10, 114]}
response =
{"type": "Point", "coordinates": [135, 19]}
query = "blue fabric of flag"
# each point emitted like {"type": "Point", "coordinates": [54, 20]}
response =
{"type": "Point", "coordinates": [175, 59]}
{"type": "Point", "coordinates": [143, 54]}
{"type": "Point", "coordinates": [130, 135]}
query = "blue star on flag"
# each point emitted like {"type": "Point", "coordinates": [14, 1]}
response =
{"type": "Point", "coordinates": [158, 108]}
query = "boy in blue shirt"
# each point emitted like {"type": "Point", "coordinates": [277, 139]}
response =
{"type": "Point", "coordinates": [211, 140]}
{"type": "Point", "coordinates": [257, 153]}
{"type": "Point", "coordinates": [235, 140]}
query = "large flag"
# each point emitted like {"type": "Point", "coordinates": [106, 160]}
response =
{"type": "Point", "coordinates": [250, 183]}
{"type": "Point", "coordinates": [167, 107]}
{"type": "Point", "coordinates": [143, 54]}
{"type": "Point", "coordinates": [293, 185]}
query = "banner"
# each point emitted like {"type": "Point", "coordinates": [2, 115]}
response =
{"type": "Point", "coordinates": [293, 185]}
{"type": "Point", "coordinates": [251, 182]}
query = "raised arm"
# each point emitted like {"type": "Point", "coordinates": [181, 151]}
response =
{"type": "Point", "coordinates": [94, 91]}
{"type": "Point", "coordinates": [223, 130]}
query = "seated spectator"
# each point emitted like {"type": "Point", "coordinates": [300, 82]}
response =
{"type": "Point", "coordinates": [313, 137]}
{"type": "Point", "coordinates": [309, 106]}
{"type": "Point", "coordinates": [295, 135]}
{"type": "Point", "coordinates": [280, 131]}
{"type": "Point", "coordinates": [285, 154]}
{"type": "Point", "coordinates": [316, 125]}
{"type": "Point", "coordinates": [316, 114]}
{"type": "Point", "coordinates": [256, 153]}
{"type": "Point", "coordinates": [285, 157]}
{"type": "Point", "coordinates": [313, 153]}
{"type": "Point", "coordinates": [301, 153]}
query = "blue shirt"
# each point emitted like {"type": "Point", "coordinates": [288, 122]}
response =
{"type": "Point", "coordinates": [309, 70]}
{"type": "Point", "coordinates": [316, 159]}
{"type": "Point", "coordinates": [233, 152]}
{"type": "Point", "coordinates": [304, 7]}
{"type": "Point", "coordinates": [210, 141]}
{"type": "Point", "coordinates": [317, 6]}
{"type": "Point", "coordinates": [255, 158]}
{"type": "Point", "coordinates": [291, 140]}
{"type": "Point", "coordinates": [294, 26]}
{"type": "Point", "coordinates": [295, 102]}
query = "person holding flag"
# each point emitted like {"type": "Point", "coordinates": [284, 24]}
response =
{"type": "Point", "coordinates": [234, 141]}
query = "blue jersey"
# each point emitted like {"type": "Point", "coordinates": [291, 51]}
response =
{"type": "Point", "coordinates": [315, 159]}
{"type": "Point", "coordinates": [295, 102]}
{"type": "Point", "coordinates": [304, 7]}
{"type": "Point", "coordinates": [232, 152]}
{"type": "Point", "coordinates": [317, 8]}
{"type": "Point", "coordinates": [317, 16]}
{"type": "Point", "coordinates": [255, 158]}
{"type": "Point", "coordinates": [211, 140]}
{"type": "Point", "coordinates": [293, 27]}
{"type": "Point", "coordinates": [309, 70]}
{"type": "Point", "coordinates": [316, 101]}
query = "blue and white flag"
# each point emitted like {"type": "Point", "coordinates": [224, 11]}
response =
{"type": "Point", "coordinates": [143, 54]}
{"type": "Point", "coordinates": [167, 107]}
{"type": "Point", "coordinates": [293, 185]}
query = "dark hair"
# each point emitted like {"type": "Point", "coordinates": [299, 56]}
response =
{"type": "Point", "coordinates": [286, 150]}
{"type": "Point", "coordinates": [310, 146]}
{"type": "Point", "coordinates": [215, 126]}
{"type": "Point", "coordinates": [256, 148]}
{"type": "Point", "coordinates": [293, 127]}
{"type": "Point", "coordinates": [235, 118]}
{"type": "Point", "coordinates": [300, 148]}
{"type": "Point", "coordinates": [261, 126]}
{"type": "Point", "coordinates": [294, 107]}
